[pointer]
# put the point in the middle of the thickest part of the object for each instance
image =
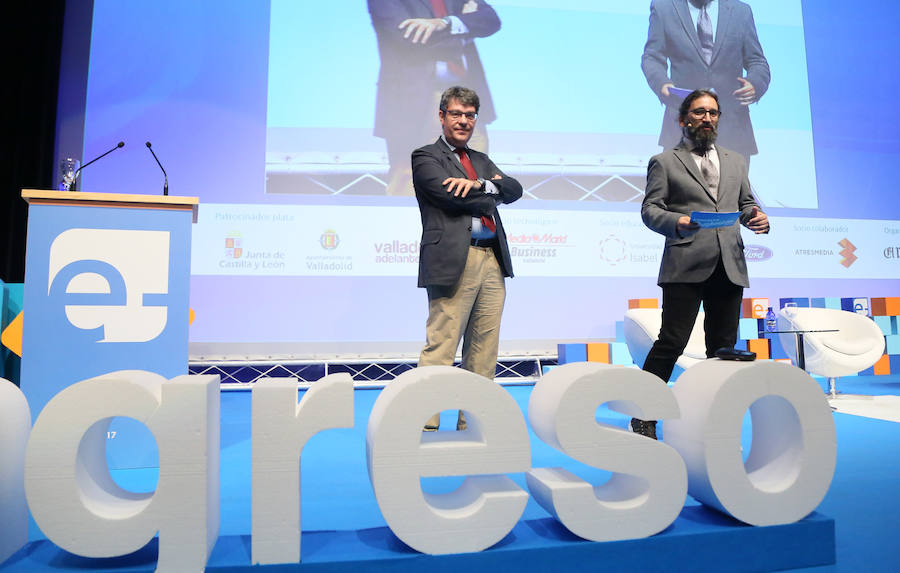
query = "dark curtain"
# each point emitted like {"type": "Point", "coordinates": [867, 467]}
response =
{"type": "Point", "coordinates": [31, 33]}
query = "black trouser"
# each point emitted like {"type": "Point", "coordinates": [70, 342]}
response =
{"type": "Point", "coordinates": [681, 302]}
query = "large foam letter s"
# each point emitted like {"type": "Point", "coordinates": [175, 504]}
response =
{"type": "Point", "coordinates": [15, 424]}
{"type": "Point", "coordinates": [75, 501]}
{"type": "Point", "coordinates": [281, 428]}
{"type": "Point", "coordinates": [485, 507]}
{"type": "Point", "coordinates": [647, 489]}
{"type": "Point", "coordinates": [793, 454]}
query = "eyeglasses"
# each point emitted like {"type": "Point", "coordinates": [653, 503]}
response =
{"type": "Point", "coordinates": [455, 114]}
{"type": "Point", "coordinates": [700, 113]}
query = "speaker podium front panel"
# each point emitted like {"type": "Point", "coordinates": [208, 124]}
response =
{"type": "Point", "coordinates": [106, 289]}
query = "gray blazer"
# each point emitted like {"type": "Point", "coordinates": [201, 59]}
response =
{"type": "Point", "coordinates": [675, 187]}
{"type": "Point", "coordinates": [672, 40]}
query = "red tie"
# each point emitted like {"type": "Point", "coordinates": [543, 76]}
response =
{"type": "Point", "coordinates": [439, 7]}
{"type": "Point", "coordinates": [456, 65]}
{"type": "Point", "coordinates": [486, 220]}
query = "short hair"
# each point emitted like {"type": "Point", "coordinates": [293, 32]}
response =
{"type": "Point", "coordinates": [465, 96]}
{"type": "Point", "coordinates": [689, 101]}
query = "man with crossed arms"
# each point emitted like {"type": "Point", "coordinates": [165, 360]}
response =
{"type": "Point", "coordinates": [464, 255]}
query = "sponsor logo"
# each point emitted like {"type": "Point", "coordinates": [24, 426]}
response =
{"type": "Point", "coordinates": [847, 252]}
{"type": "Point", "coordinates": [538, 239]}
{"type": "Point", "coordinates": [535, 247]}
{"type": "Point", "coordinates": [397, 252]}
{"type": "Point", "coordinates": [613, 250]}
{"type": "Point", "coordinates": [329, 240]}
{"type": "Point", "coordinates": [757, 253]}
{"type": "Point", "coordinates": [113, 284]}
{"type": "Point", "coordinates": [234, 245]}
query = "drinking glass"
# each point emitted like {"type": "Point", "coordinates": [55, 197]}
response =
{"type": "Point", "coordinates": [67, 169]}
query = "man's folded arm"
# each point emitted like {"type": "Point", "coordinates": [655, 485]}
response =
{"type": "Point", "coordinates": [428, 177]}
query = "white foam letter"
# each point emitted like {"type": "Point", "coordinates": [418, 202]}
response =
{"type": "Point", "coordinates": [75, 501]}
{"type": "Point", "coordinates": [647, 489]}
{"type": "Point", "coordinates": [14, 431]}
{"type": "Point", "coordinates": [281, 428]}
{"type": "Point", "coordinates": [792, 459]}
{"type": "Point", "coordinates": [485, 507]}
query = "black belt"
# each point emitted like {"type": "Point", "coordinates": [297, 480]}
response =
{"type": "Point", "coordinates": [489, 242]}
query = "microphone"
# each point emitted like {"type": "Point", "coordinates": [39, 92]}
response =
{"type": "Point", "coordinates": [77, 171]}
{"type": "Point", "coordinates": [166, 183]}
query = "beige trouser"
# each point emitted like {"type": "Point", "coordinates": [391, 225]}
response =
{"type": "Point", "coordinates": [469, 310]}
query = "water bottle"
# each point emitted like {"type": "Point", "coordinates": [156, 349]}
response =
{"type": "Point", "coordinates": [771, 320]}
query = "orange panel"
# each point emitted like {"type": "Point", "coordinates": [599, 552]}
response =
{"type": "Point", "coordinates": [643, 303]}
{"type": "Point", "coordinates": [598, 352]}
{"type": "Point", "coordinates": [883, 366]}
{"type": "Point", "coordinates": [12, 336]}
{"type": "Point", "coordinates": [760, 346]}
{"type": "Point", "coordinates": [885, 306]}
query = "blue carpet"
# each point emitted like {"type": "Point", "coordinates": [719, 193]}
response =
{"type": "Point", "coordinates": [341, 517]}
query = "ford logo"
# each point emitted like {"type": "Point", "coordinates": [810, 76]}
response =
{"type": "Point", "coordinates": [757, 253]}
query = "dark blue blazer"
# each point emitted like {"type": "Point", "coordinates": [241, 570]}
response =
{"type": "Point", "coordinates": [447, 220]}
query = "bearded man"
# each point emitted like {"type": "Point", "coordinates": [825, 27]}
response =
{"type": "Point", "coordinates": [698, 264]}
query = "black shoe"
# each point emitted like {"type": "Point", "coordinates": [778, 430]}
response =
{"type": "Point", "coordinates": [644, 427]}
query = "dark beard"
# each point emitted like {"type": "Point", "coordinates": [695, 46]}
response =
{"type": "Point", "coordinates": [701, 139]}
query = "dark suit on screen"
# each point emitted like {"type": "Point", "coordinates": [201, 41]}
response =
{"type": "Point", "coordinates": [408, 81]}
{"type": "Point", "coordinates": [707, 265]}
{"type": "Point", "coordinates": [672, 41]}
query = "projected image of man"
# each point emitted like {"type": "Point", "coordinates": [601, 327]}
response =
{"type": "Point", "coordinates": [698, 264]}
{"type": "Point", "coordinates": [709, 44]}
{"type": "Point", "coordinates": [464, 257]}
{"type": "Point", "coordinates": [426, 46]}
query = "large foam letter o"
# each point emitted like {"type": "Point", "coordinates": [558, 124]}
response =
{"type": "Point", "coordinates": [792, 458]}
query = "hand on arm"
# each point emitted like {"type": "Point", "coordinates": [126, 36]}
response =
{"type": "Point", "coordinates": [664, 90]}
{"type": "Point", "coordinates": [459, 186]}
{"type": "Point", "coordinates": [421, 29]}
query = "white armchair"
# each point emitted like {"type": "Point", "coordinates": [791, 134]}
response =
{"type": "Point", "coordinates": [642, 329]}
{"type": "Point", "coordinates": [857, 344]}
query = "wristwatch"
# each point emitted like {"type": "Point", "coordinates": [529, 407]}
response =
{"type": "Point", "coordinates": [446, 21]}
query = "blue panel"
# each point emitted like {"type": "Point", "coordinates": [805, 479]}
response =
{"type": "Point", "coordinates": [106, 289]}
{"type": "Point", "coordinates": [886, 325]}
{"type": "Point", "coordinates": [748, 328]}
{"type": "Point", "coordinates": [569, 353]}
{"type": "Point", "coordinates": [620, 331]}
{"type": "Point", "coordinates": [892, 345]}
{"type": "Point", "coordinates": [619, 354]}
{"type": "Point", "coordinates": [801, 302]}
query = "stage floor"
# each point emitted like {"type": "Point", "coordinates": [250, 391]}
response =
{"type": "Point", "coordinates": [344, 530]}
